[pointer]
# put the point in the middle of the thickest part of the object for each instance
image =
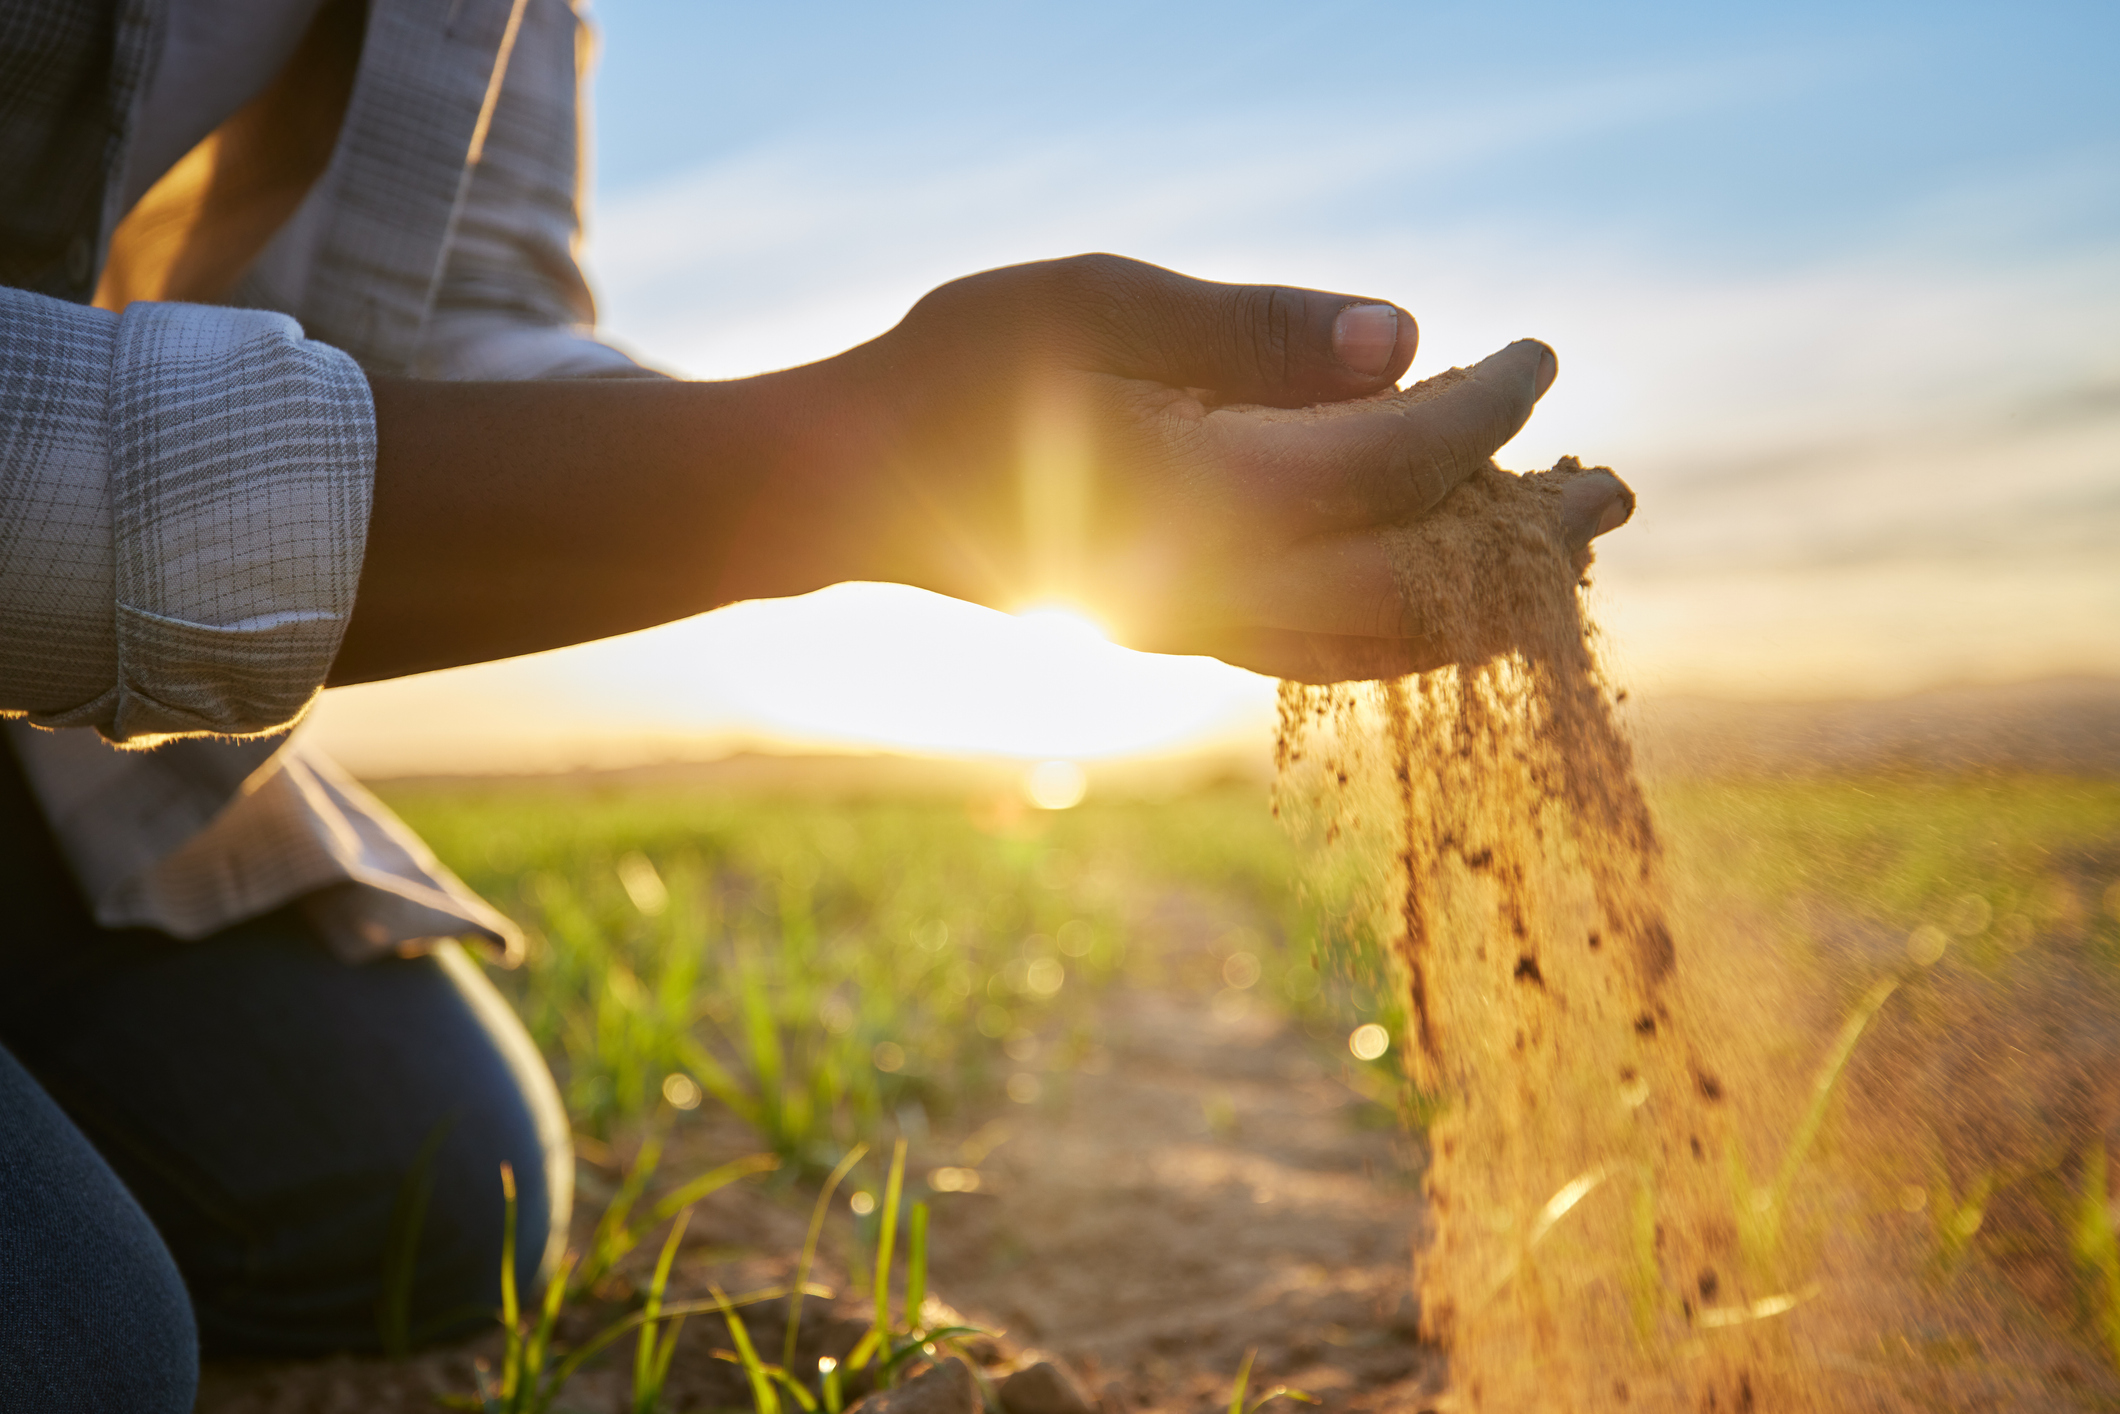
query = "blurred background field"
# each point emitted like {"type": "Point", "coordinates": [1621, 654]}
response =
{"type": "Point", "coordinates": [833, 960]}
{"type": "Point", "coordinates": [838, 949]}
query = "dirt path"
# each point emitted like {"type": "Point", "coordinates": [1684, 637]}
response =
{"type": "Point", "coordinates": [1210, 1193]}
{"type": "Point", "coordinates": [1209, 1186]}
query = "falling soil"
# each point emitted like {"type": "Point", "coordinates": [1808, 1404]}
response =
{"type": "Point", "coordinates": [1676, 1165]}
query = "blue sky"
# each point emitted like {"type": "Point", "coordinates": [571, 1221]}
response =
{"type": "Point", "coordinates": [1836, 287]}
{"type": "Point", "coordinates": [1723, 131]}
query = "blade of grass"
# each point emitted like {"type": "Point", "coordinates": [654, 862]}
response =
{"type": "Point", "coordinates": [647, 1389]}
{"type": "Point", "coordinates": [537, 1349]}
{"type": "Point", "coordinates": [715, 1079]}
{"type": "Point", "coordinates": [511, 1311]}
{"type": "Point", "coordinates": [1958, 1219]}
{"type": "Point", "coordinates": [886, 1238]}
{"type": "Point", "coordinates": [1822, 1087]}
{"type": "Point", "coordinates": [614, 1238]}
{"type": "Point", "coordinates": [664, 1355]}
{"type": "Point", "coordinates": [2098, 1248]}
{"type": "Point", "coordinates": [401, 1248]}
{"type": "Point", "coordinates": [926, 1345]}
{"type": "Point", "coordinates": [989, 1396]}
{"type": "Point", "coordinates": [794, 1387]}
{"type": "Point", "coordinates": [589, 1348]}
{"type": "Point", "coordinates": [809, 1248]}
{"type": "Point", "coordinates": [714, 1180]}
{"type": "Point", "coordinates": [762, 1042]}
{"type": "Point", "coordinates": [763, 1395]}
{"type": "Point", "coordinates": [1236, 1395]}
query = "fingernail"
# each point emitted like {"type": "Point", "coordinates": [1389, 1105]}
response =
{"type": "Point", "coordinates": [1511, 357]}
{"type": "Point", "coordinates": [1594, 505]}
{"type": "Point", "coordinates": [1365, 336]}
{"type": "Point", "coordinates": [1549, 368]}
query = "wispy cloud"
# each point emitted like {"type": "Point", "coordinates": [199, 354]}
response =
{"type": "Point", "coordinates": [801, 247]}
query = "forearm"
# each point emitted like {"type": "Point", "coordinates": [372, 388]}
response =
{"type": "Point", "coordinates": [514, 517]}
{"type": "Point", "coordinates": [1089, 427]}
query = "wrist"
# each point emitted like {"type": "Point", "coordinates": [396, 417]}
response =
{"type": "Point", "coordinates": [820, 509]}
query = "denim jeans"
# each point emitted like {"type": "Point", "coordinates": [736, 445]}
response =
{"type": "Point", "coordinates": [205, 1145]}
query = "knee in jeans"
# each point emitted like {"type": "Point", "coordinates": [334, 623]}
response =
{"type": "Point", "coordinates": [100, 1322]}
{"type": "Point", "coordinates": [149, 1360]}
{"type": "Point", "coordinates": [93, 1313]}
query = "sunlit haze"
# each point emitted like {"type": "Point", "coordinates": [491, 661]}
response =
{"type": "Point", "coordinates": [1837, 289]}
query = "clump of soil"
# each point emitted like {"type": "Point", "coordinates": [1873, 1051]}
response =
{"type": "Point", "coordinates": [1633, 1201]}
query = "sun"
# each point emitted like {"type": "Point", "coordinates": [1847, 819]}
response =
{"type": "Point", "coordinates": [858, 667]}
{"type": "Point", "coordinates": [1063, 621]}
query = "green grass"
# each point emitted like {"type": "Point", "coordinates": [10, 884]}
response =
{"type": "Point", "coordinates": [535, 1369]}
{"type": "Point", "coordinates": [839, 973]}
{"type": "Point", "coordinates": [1995, 859]}
{"type": "Point", "coordinates": [828, 970]}
{"type": "Point", "coordinates": [833, 971]}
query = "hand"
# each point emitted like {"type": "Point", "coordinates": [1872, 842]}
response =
{"type": "Point", "coordinates": [1092, 430]}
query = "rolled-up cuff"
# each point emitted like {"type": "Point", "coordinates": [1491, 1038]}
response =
{"type": "Point", "coordinates": [242, 468]}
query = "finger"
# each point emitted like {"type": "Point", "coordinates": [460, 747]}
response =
{"type": "Point", "coordinates": [1387, 459]}
{"type": "Point", "coordinates": [1270, 344]}
{"type": "Point", "coordinates": [1335, 587]}
{"type": "Point", "coordinates": [1340, 586]}
{"type": "Point", "coordinates": [1594, 504]}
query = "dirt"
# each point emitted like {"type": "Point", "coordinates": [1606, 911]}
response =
{"type": "Point", "coordinates": [1541, 995]}
{"type": "Point", "coordinates": [1219, 1189]}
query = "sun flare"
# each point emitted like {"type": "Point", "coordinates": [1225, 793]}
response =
{"type": "Point", "coordinates": [857, 667]}
{"type": "Point", "coordinates": [1063, 621]}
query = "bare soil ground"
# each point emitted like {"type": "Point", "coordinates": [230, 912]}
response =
{"type": "Point", "coordinates": [1209, 1184]}
{"type": "Point", "coordinates": [1217, 1189]}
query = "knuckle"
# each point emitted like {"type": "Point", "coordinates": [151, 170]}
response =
{"type": "Point", "coordinates": [1426, 471]}
{"type": "Point", "coordinates": [1451, 447]}
{"type": "Point", "coordinates": [1493, 411]}
{"type": "Point", "coordinates": [1267, 319]}
{"type": "Point", "coordinates": [1102, 293]}
{"type": "Point", "coordinates": [1456, 456]}
{"type": "Point", "coordinates": [1091, 278]}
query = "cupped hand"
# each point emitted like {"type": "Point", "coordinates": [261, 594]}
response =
{"type": "Point", "coordinates": [1099, 431]}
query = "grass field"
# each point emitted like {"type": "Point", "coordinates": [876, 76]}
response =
{"type": "Point", "coordinates": [819, 966]}
{"type": "Point", "coordinates": [824, 968]}
{"type": "Point", "coordinates": [1092, 991]}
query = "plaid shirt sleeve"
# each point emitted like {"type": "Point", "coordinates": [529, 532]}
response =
{"type": "Point", "coordinates": [184, 498]}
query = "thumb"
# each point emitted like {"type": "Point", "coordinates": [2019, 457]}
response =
{"type": "Point", "coordinates": [1270, 344]}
